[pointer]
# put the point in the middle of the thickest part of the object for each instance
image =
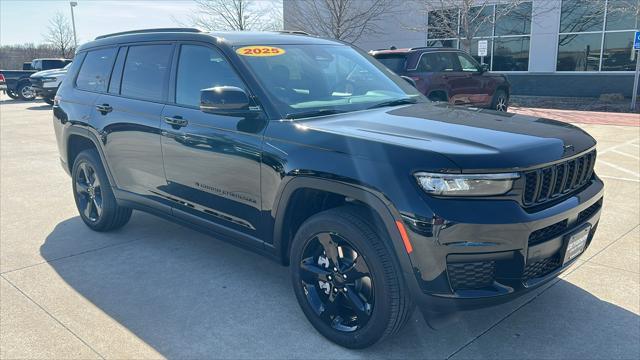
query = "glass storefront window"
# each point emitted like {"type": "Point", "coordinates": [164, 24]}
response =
{"type": "Point", "coordinates": [513, 21]}
{"type": "Point", "coordinates": [579, 52]}
{"type": "Point", "coordinates": [621, 15]}
{"type": "Point", "coordinates": [511, 54]}
{"type": "Point", "coordinates": [581, 15]}
{"type": "Point", "coordinates": [480, 21]}
{"type": "Point", "coordinates": [618, 54]}
{"type": "Point", "coordinates": [450, 43]}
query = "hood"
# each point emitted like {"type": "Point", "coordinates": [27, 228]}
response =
{"type": "Point", "coordinates": [52, 72]}
{"type": "Point", "coordinates": [475, 140]}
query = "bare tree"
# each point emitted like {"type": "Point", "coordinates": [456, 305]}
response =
{"type": "Point", "coordinates": [59, 35]}
{"type": "Point", "coordinates": [346, 20]}
{"type": "Point", "coordinates": [466, 19]}
{"type": "Point", "coordinates": [216, 15]}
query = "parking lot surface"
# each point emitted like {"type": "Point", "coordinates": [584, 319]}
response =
{"type": "Point", "coordinates": [156, 289]}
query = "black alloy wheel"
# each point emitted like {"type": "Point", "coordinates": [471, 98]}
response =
{"type": "Point", "coordinates": [93, 194]}
{"type": "Point", "coordinates": [88, 192]}
{"type": "Point", "coordinates": [337, 282]}
{"type": "Point", "coordinates": [347, 282]}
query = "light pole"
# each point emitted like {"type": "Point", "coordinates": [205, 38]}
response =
{"type": "Point", "coordinates": [73, 22]}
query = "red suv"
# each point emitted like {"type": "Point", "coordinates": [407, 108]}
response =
{"type": "Point", "coordinates": [445, 74]}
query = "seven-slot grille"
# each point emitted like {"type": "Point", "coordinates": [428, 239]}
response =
{"type": "Point", "coordinates": [556, 180]}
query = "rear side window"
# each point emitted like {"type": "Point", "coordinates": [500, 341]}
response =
{"type": "Point", "coordinates": [394, 62]}
{"type": "Point", "coordinates": [437, 62]}
{"type": "Point", "coordinates": [95, 70]}
{"type": "Point", "coordinates": [200, 68]}
{"type": "Point", "coordinates": [146, 71]}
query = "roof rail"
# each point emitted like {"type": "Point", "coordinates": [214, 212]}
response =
{"type": "Point", "coordinates": [422, 47]}
{"type": "Point", "coordinates": [293, 32]}
{"type": "Point", "coordinates": [144, 31]}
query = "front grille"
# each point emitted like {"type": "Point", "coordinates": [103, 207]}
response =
{"type": "Point", "coordinates": [542, 267]}
{"type": "Point", "coordinates": [586, 213]}
{"type": "Point", "coordinates": [553, 181]}
{"type": "Point", "coordinates": [471, 275]}
{"type": "Point", "coordinates": [547, 233]}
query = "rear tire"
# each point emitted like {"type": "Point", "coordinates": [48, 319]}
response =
{"type": "Point", "coordinates": [94, 198]}
{"type": "Point", "coordinates": [12, 94]}
{"type": "Point", "coordinates": [500, 101]}
{"type": "Point", "coordinates": [365, 299]}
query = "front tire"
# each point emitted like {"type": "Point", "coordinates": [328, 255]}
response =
{"type": "Point", "coordinates": [93, 195]}
{"type": "Point", "coordinates": [500, 101]}
{"type": "Point", "coordinates": [26, 92]}
{"type": "Point", "coordinates": [346, 281]}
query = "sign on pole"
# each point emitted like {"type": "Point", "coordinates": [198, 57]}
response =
{"type": "Point", "coordinates": [636, 49]}
{"type": "Point", "coordinates": [483, 46]}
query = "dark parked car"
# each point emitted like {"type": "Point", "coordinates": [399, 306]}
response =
{"type": "Point", "coordinates": [307, 151]}
{"type": "Point", "coordinates": [17, 82]}
{"type": "Point", "coordinates": [449, 75]}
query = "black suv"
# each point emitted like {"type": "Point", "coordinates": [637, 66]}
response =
{"type": "Point", "coordinates": [312, 153]}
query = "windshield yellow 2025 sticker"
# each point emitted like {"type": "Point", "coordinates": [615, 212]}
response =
{"type": "Point", "coordinates": [260, 51]}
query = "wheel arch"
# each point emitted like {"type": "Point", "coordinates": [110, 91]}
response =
{"type": "Point", "coordinates": [80, 139]}
{"type": "Point", "coordinates": [382, 212]}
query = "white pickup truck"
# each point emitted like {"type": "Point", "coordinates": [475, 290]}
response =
{"type": "Point", "coordinates": [45, 83]}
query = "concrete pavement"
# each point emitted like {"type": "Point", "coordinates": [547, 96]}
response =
{"type": "Point", "coordinates": [155, 289]}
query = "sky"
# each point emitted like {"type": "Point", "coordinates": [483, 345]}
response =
{"type": "Point", "coordinates": [24, 21]}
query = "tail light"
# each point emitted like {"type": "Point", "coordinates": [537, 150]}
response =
{"type": "Point", "coordinates": [2, 78]}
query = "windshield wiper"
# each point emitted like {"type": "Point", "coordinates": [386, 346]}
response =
{"type": "Point", "coordinates": [312, 113]}
{"type": "Point", "coordinates": [395, 102]}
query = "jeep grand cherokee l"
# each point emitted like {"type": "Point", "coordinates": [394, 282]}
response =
{"type": "Point", "coordinates": [311, 153]}
{"type": "Point", "coordinates": [448, 75]}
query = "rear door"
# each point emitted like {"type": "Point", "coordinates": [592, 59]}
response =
{"type": "Point", "coordinates": [212, 162]}
{"type": "Point", "coordinates": [129, 115]}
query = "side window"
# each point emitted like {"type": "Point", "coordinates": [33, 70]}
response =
{"type": "Point", "coordinates": [201, 67]}
{"type": "Point", "coordinates": [467, 64]}
{"type": "Point", "coordinates": [436, 62]}
{"type": "Point", "coordinates": [116, 75]}
{"type": "Point", "coordinates": [146, 70]}
{"type": "Point", "coordinates": [94, 73]}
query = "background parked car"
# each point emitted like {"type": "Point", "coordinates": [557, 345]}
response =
{"type": "Point", "coordinates": [451, 75]}
{"type": "Point", "coordinates": [18, 83]}
{"type": "Point", "coordinates": [46, 83]}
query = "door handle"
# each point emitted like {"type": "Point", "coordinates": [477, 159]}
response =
{"type": "Point", "coordinates": [176, 122]}
{"type": "Point", "coordinates": [104, 109]}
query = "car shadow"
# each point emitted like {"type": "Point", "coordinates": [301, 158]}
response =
{"type": "Point", "coordinates": [40, 107]}
{"type": "Point", "coordinates": [188, 295]}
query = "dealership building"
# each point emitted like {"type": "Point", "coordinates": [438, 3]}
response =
{"type": "Point", "coordinates": [546, 47]}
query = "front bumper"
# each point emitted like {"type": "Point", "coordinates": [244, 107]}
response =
{"type": "Point", "coordinates": [44, 91]}
{"type": "Point", "coordinates": [494, 250]}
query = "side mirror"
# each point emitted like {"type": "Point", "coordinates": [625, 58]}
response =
{"type": "Point", "coordinates": [225, 100]}
{"type": "Point", "coordinates": [484, 68]}
{"type": "Point", "coordinates": [409, 80]}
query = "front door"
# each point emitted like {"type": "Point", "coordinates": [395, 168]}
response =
{"type": "Point", "coordinates": [467, 81]}
{"type": "Point", "coordinates": [212, 162]}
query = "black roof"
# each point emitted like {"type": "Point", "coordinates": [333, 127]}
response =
{"type": "Point", "coordinates": [231, 38]}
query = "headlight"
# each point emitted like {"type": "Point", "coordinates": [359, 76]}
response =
{"type": "Point", "coordinates": [49, 79]}
{"type": "Point", "coordinates": [466, 184]}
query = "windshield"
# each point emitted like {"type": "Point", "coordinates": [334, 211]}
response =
{"type": "Point", "coordinates": [394, 62]}
{"type": "Point", "coordinates": [312, 80]}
